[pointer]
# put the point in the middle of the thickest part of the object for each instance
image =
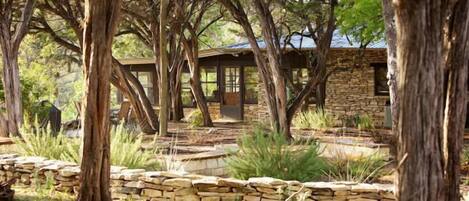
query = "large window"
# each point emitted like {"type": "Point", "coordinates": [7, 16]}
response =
{"type": "Point", "coordinates": [208, 77]}
{"type": "Point", "coordinates": [251, 81]}
{"type": "Point", "coordinates": [146, 79]}
{"type": "Point", "coordinates": [381, 80]}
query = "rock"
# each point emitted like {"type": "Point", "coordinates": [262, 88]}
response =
{"type": "Point", "coordinates": [135, 184]}
{"type": "Point", "coordinates": [178, 182]}
{"type": "Point", "coordinates": [152, 193]}
{"type": "Point", "coordinates": [267, 182]}
{"type": "Point", "coordinates": [69, 171]}
{"type": "Point", "coordinates": [232, 182]}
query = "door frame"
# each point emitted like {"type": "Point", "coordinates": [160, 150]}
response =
{"type": "Point", "coordinates": [222, 84]}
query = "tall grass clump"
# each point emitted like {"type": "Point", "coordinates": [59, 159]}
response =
{"type": "Point", "coordinates": [269, 154]}
{"type": "Point", "coordinates": [37, 141]}
{"type": "Point", "coordinates": [126, 147]}
{"type": "Point", "coordinates": [195, 119]}
{"type": "Point", "coordinates": [126, 150]}
{"type": "Point", "coordinates": [361, 169]}
{"type": "Point", "coordinates": [313, 119]}
{"type": "Point", "coordinates": [364, 122]}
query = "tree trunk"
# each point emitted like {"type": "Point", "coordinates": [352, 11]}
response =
{"type": "Point", "coordinates": [131, 88]}
{"type": "Point", "coordinates": [101, 19]}
{"type": "Point", "coordinates": [390, 27]}
{"type": "Point", "coordinates": [163, 97]}
{"type": "Point", "coordinates": [420, 91]}
{"type": "Point", "coordinates": [456, 95]}
{"type": "Point", "coordinates": [11, 85]}
{"type": "Point", "coordinates": [177, 112]}
{"type": "Point", "coordinates": [192, 55]}
{"type": "Point", "coordinates": [12, 32]}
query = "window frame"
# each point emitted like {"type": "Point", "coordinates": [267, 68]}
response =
{"type": "Point", "coordinates": [375, 66]}
{"type": "Point", "coordinates": [246, 83]}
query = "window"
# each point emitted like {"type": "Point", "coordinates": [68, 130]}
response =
{"type": "Point", "coordinates": [186, 93]}
{"type": "Point", "coordinates": [251, 80]}
{"type": "Point", "coordinates": [381, 80]}
{"type": "Point", "coordinates": [208, 78]}
{"type": "Point", "coordinates": [300, 78]}
{"type": "Point", "coordinates": [146, 79]}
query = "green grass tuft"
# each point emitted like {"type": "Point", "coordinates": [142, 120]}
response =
{"type": "Point", "coordinates": [271, 155]}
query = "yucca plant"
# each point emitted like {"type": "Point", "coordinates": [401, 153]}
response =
{"type": "Point", "coordinates": [348, 167]}
{"type": "Point", "coordinates": [126, 150]}
{"type": "Point", "coordinates": [269, 154]}
{"type": "Point", "coordinates": [363, 122]}
{"type": "Point", "coordinates": [37, 141]}
{"type": "Point", "coordinates": [313, 119]}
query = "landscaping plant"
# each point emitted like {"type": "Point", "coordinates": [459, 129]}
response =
{"type": "Point", "coordinates": [269, 154]}
{"type": "Point", "coordinates": [361, 169]}
{"type": "Point", "coordinates": [37, 141]}
{"type": "Point", "coordinates": [195, 119]}
{"type": "Point", "coordinates": [126, 147]}
{"type": "Point", "coordinates": [364, 122]}
{"type": "Point", "coordinates": [316, 119]}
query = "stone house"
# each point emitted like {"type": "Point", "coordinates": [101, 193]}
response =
{"type": "Point", "coordinates": [231, 83]}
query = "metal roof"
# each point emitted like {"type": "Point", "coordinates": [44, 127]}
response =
{"type": "Point", "coordinates": [298, 41]}
{"type": "Point", "coordinates": [339, 41]}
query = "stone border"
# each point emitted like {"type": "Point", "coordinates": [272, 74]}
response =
{"type": "Point", "coordinates": [137, 184]}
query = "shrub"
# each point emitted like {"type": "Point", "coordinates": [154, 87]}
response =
{"type": "Point", "coordinates": [270, 154]}
{"type": "Point", "coordinates": [313, 119]}
{"type": "Point", "coordinates": [125, 147]}
{"type": "Point", "coordinates": [38, 141]}
{"type": "Point", "coordinates": [361, 169]}
{"type": "Point", "coordinates": [195, 119]}
{"type": "Point", "coordinates": [364, 122]}
{"type": "Point", "coordinates": [126, 150]}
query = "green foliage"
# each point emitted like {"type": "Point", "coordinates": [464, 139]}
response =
{"type": "Point", "coordinates": [270, 154]}
{"type": "Point", "coordinates": [361, 20]}
{"type": "Point", "coordinates": [74, 95]}
{"type": "Point", "coordinates": [195, 119]}
{"type": "Point", "coordinates": [313, 119]}
{"type": "Point", "coordinates": [361, 169]}
{"type": "Point", "coordinates": [129, 46]}
{"type": "Point", "coordinates": [465, 156]}
{"type": "Point", "coordinates": [38, 141]}
{"type": "Point", "coordinates": [126, 150]}
{"type": "Point", "coordinates": [364, 122]}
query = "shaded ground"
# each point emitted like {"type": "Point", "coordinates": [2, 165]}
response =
{"type": "Point", "coordinates": [26, 194]}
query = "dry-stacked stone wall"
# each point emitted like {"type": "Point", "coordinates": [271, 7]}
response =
{"type": "Point", "coordinates": [137, 184]}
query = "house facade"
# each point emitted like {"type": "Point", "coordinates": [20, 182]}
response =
{"type": "Point", "coordinates": [231, 83]}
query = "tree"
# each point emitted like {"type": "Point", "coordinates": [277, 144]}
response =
{"type": "Point", "coordinates": [14, 25]}
{"type": "Point", "coordinates": [432, 61]}
{"type": "Point", "coordinates": [146, 27]}
{"type": "Point", "coordinates": [101, 19]}
{"type": "Point", "coordinates": [191, 15]}
{"type": "Point", "coordinates": [163, 68]}
{"type": "Point", "coordinates": [72, 14]}
{"type": "Point", "coordinates": [272, 76]}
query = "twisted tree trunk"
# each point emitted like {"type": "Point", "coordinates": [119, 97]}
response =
{"type": "Point", "coordinates": [101, 18]}
{"type": "Point", "coordinates": [10, 42]}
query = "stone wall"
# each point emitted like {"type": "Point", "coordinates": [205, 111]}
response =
{"type": "Point", "coordinates": [136, 184]}
{"type": "Point", "coordinates": [352, 91]}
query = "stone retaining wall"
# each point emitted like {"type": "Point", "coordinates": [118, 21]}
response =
{"type": "Point", "coordinates": [136, 184]}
